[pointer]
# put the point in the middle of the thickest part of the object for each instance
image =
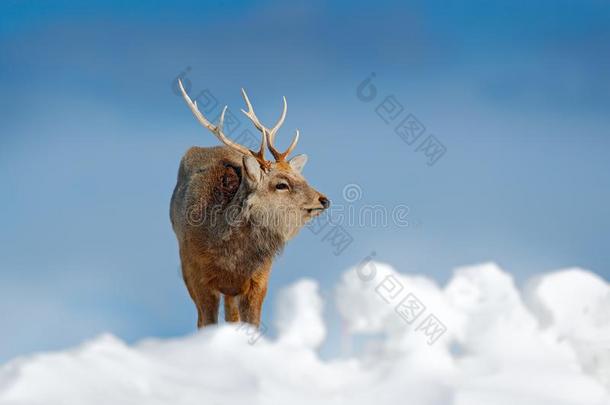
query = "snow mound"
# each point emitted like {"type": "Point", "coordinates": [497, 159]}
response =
{"type": "Point", "coordinates": [574, 305]}
{"type": "Point", "coordinates": [477, 340]}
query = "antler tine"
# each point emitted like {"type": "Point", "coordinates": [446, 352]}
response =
{"type": "Point", "coordinates": [293, 144]}
{"type": "Point", "coordinates": [221, 120]}
{"type": "Point", "coordinates": [281, 156]}
{"type": "Point", "coordinates": [250, 113]}
{"type": "Point", "coordinates": [279, 122]}
{"type": "Point", "coordinates": [217, 129]}
{"type": "Point", "coordinates": [193, 106]}
{"type": "Point", "coordinates": [269, 134]}
{"type": "Point", "coordinates": [252, 116]}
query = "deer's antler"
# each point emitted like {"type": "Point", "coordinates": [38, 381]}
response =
{"type": "Point", "coordinates": [217, 129]}
{"type": "Point", "coordinates": [268, 135]}
{"type": "Point", "coordinates": [271, 133]}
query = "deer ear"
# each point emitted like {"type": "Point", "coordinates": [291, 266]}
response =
{"type": "Point", "coordinates": [297, 163]}
{"type": "Point", "coordinates": [253, 169]}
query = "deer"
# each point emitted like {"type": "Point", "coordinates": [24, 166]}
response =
{"type": "Point", "coordinates": [233, 211]}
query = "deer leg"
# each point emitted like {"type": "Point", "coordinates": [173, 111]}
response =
{"type": "Point", "coordinates": [231, 309]}
{"type": "Point", "coordinates": [205, 298]}
{"type": "Point", "coordinates": [207, 305]}
{"type": "Point", "coordinates": [250, 305]}
{"type": "Point", "coordinates": [251, 302]}
{"type": "Point", "coordinates": [192, 290]}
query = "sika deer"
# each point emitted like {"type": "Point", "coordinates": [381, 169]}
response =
{"type": "Point", "coordinates": [232, 211]}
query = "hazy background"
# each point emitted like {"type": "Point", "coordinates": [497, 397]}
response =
{"type": "Point", "coordinates": [91, 134]}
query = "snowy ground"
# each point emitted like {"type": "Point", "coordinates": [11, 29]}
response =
{"type": "Point", "coordinates": [478, 340]}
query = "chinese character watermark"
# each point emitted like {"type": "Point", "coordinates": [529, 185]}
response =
{"type": "Point", "coordinates": [405, 124]}
{"type": "Point", "coordinates": [409, 308]}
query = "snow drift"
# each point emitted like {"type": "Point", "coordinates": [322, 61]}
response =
{"type": "Point", "coordinates": [478, 340]}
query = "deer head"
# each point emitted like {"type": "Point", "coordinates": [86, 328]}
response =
{"type": "Point", "coordinates": [276, 193]}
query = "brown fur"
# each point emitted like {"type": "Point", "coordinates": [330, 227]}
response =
{"type": "Point", "coordinates": [221, 217]}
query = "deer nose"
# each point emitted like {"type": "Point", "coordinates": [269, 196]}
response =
{"type": "Point", "coordinates": [324, 201]}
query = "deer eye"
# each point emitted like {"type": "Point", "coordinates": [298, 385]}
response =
{"type": "Point", "coordinates": [282, 186]}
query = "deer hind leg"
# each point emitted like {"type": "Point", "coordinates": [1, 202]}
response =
{"type": "Point", "coordinates": [191, 288]}
{"type": "Point", "coordinates": [207, 301]}
{"type": "Point", "coordinates": [231, 309]}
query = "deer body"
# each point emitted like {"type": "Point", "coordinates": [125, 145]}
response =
{"type": "Point", "coordinates": [232, 212]}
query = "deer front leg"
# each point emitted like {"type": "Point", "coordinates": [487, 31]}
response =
{"type": "Point", "coordinates": [251, 302]}
{"type": "Point", "coordinates": [231, 309]}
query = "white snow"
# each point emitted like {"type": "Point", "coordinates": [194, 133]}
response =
{"type": "Point", "coordinates": [477, 340]}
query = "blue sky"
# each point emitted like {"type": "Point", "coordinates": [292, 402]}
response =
{"type": "Point", "coordinates": [91, 135]}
